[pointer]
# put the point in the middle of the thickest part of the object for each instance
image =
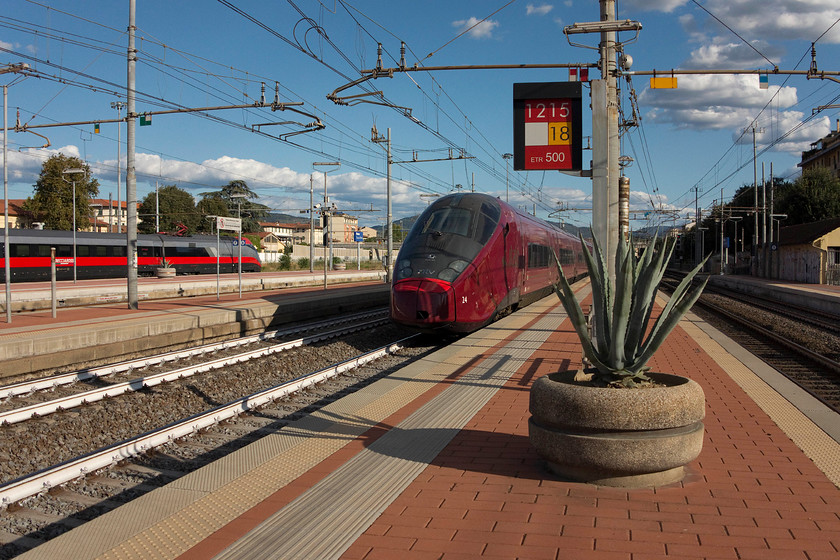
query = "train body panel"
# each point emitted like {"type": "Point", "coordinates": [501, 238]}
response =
{"type": "Point", "coordinates": [103, 255]}
{"type": "Point", "coordinates": [470, 258]}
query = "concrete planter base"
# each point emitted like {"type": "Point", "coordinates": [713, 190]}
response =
{"type": "Point", "coordinates": [617, 437]}
{"type": "Point", "coordinates": [165, 272]}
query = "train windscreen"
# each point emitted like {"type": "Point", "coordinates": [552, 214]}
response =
{"type": "Point", "coordinates": [447, 237]}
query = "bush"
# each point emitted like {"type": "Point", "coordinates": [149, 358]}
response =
{"type": "Point", "coordinates": [303, 262]}
{"type": "Point", "coordinates": [285, 262]}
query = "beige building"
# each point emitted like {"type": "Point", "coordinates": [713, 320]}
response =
{"type": "Point", "coordinates": [825, 152]}
{"type": "Point", "coordinates": [103, 216]}
{"type": "Point", "coordinates": [293, 232]}
{"type": "Point", "coordinates": [807, 253]}
{"type": "Point", "coordinates": [342, 226]}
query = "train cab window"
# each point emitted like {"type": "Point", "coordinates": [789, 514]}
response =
{"type": "Point", "coordinates": [449, 220]}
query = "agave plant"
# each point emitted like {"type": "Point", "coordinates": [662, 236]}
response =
{"type": "Point", "coordinates": [620, 344]}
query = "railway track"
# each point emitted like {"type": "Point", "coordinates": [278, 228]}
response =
{"type": "Point", "coordinates": [76, 384]}
{"type": "Point", "coordinates": [118, 471]}
{"type": "Point", "coordinates": [802, 345]}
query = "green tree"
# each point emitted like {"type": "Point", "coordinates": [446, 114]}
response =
{"type": "Point", "coordinates": [211, 205]}
{"type": "Point", "coordinates": [252, 212]}
{"type": "Point", "coordinates": [176, 206]}
{"type": "Point", "coordinates": [52, 202]}
{"type": "Point", "coordinates": [812, 197]}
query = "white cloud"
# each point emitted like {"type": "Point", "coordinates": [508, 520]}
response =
{"type": "Point", "coordinates": [540, 10]}
{"type": "Point", "coordinates": [482, 30]}
{"type": "Point", "coordinates": [722, 53]}
{"type": "Point", "coordinates": [713, 102]}
{"type": "Point", "coordinates": [723, 91]}
{"type": "Point", "coordinates": [652, 5]}
{"type": "Point", "coordinates": [779, 19]}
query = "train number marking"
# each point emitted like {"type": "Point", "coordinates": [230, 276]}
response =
{"type": "Point", "coordinates": [464, 299]}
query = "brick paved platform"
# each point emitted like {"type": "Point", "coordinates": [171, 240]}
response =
{"type": "Point", "coordinates": [434, 462]}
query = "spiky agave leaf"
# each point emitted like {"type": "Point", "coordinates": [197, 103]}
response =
{"type": "Point", "coordinates": [601, 294]}
{"type": "Point", "coordinates": [680, 302]}
{"type": "Point", "coordinates": [652, 267]}
{"type": "Point", "coordinates": [578, 320]}
{"type": "Point", "coordinates": [622, 304]}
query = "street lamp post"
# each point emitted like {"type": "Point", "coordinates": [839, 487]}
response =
{"type": "Point", "coordinates": [6, 257]}
{"type": "Point", "coordinates": [73, 182]}
{"type": "Point", "coordinates": [239, 197]}
{"type": "Point", "coordinates": [118, 105]}
{"type": "Point", "coordinates": [326, 214]}
{"type": "Point", "coordinates": [735, 248]}
{"type": "Point", "coordinates": [507, 176]}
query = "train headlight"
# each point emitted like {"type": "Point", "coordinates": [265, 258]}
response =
{"type": "Point", "coordinates": [458, 266]}
{"type": "Point", "coordinates": [453, 270]}
{"type": "Point", "coordinates": [448, 275]}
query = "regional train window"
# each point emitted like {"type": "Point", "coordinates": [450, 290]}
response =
{"type": "Point", "coordinates": [117, 251]}
{"type": "Point", "coordinates": [64, 251]}
{"type": "Point", "coordinates": [82, 251]}
{"type": "Point", "coordinates": [43, 250]}
{"type": "Point", "coordinates": [21, 251]}
{"type": "Point", "coordinates": [185, 251]}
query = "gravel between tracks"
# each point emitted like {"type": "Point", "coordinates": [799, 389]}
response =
{"type": "Point", "coordinates": [46, 441]}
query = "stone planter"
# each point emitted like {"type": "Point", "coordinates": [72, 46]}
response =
{"type": "Point", "coordinates": [165, 272]}
{"type": "Point", "coordinates": [617, 437]}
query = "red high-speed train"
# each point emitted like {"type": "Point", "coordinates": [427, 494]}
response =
{"type": "Point", "coordinates": [472, 258]}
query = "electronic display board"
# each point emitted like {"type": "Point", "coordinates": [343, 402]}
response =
{"type": "Point", "coordinates": [547, 126]}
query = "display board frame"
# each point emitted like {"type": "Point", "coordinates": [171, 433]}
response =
{"type": "Point", "coordinates": [547, 126]}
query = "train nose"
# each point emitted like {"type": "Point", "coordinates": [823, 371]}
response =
{"type": "Point", "coordinates": [422, 302]}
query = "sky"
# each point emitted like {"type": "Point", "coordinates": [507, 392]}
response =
{"type": "Point", "coordinates": [449, 129]}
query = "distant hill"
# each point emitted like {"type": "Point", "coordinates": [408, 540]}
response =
{"type": "Point", "coordinates": [287, 218]}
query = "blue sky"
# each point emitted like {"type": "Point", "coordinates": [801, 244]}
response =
{"type": "Point", "coordinates": [199, 54]}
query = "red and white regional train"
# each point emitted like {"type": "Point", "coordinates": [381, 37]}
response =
{"type": "Point", "coordinates": [103, 255]}
{"type": "Point", "coordinates": [471, 258]}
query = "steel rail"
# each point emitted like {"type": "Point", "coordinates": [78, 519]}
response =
{"type": "Point", "coordinates": [45, 479]}
{"type": "Point", "coordinates": [49, 383]}
{"type": "Point", "coordinates": [65, 403]}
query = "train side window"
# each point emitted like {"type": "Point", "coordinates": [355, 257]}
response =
{"type": "Point", "coordinates": [64, 251]}
{"type": "Point", "coordinates": [21, 250]}
{"type": "Point", "coordinates": [100, 251]}
{"type": "Point", "coordinates": [538, 255]}
{"type": "Point", "coordinates": [82, 250]}
{"type": "Point", "coordinates": [144, 251]}
{"type": "Point", "coordinates": [43, 250]}
{"type": "Point", "coordinates": [117, 251]}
